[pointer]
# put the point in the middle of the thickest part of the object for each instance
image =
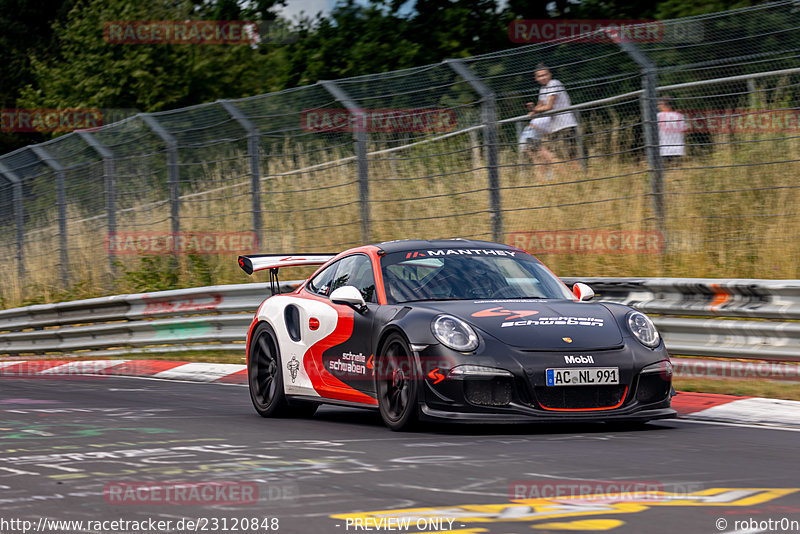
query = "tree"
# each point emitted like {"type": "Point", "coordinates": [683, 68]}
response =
{"type": "Point", "coordinates": [86, 71]}
{"type": "Point", "coordinates": [355, 39]}
{"type": "Point", "coordinates": [25, 29]}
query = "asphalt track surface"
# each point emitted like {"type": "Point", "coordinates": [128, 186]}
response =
{"type": "Point", "coordinates": [107, 448]}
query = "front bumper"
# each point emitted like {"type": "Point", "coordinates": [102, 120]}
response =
{"type": "Point", "coordinates": [522, 396]}
{"type": "Point", "coordinates": [430, 414]}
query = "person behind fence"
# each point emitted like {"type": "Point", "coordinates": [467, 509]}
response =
{"type": "Point", "coordinates": [533, 134]}
{"type": "Point", "coordinates": [553, 97]}
{"type": "Point", "coordinates": [671, 132]}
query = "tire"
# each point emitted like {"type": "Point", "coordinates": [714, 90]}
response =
{"type": "Point", "coordinates": [265, 373]}
{"type": "Point", "coordinates": [265, 378]}
{"type": "Point", "coordinates": [397, 384]}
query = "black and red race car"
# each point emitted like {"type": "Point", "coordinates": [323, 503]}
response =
{"type": "Point", "coordinates": [453, 330]}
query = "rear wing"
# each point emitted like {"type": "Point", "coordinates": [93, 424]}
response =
{"type": "Point", "coordinates": [260, 262]}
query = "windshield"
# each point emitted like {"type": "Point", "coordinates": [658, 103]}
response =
{"type": "Point", "coordinates": [467, 274]}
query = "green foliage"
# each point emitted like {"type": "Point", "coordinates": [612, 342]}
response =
{"type": "Point", "coordinates": [25, 29]}
{"type": "Point", "coordinates": [202, 270]}
{"type": "Point", "coordinates": [54, 54]}
{"type": "Point", "coordinates": [669, 9]}
{"type": "Point", "coordinates": [163, 272]}
{"type": "Point", "coordinates": [355, 40]}
{"type": "Point", "coordinates": [155, 273]}
{"type": "Point", "coordinates": [88, 71]}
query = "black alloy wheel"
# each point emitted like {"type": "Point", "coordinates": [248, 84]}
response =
{"type": "Point", "coordinates": [397, 384]}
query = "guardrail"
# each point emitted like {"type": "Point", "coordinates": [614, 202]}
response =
{"type": "Point", "coordinates": [697, 317]}
{"type": "Point", "coordinates": [204, 318]}
{"type": "Point", "coordinates": [736, 314]}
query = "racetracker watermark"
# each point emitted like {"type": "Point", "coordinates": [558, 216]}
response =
{"type": "Point", "coordinates": [44, 370]}
{"type": "Point", "coordinates": [691, 368]}
{"type": "Point", "coordinates": [378, 120]}
{"type": "Point", "coordinates": [589, 242]}
{"type": "Point", "coordinates": [605, 31]}
{"type": "Point", "coordinates": [598, 490]}
{"type": "Point", "coordinates": [586, 31]}
{"type": "Point", "coordinates": [199, 32]}
{"type": "Point", "coordinates": [181, 493]}
{"type": "Point", "coordinates": [145, 243]}
{"type": "Point", "coordinates": [49, 119]}
{"type": "Point", "coordinates": [737, 121]}
{"type": "Point", "coordinates": [213, 523]}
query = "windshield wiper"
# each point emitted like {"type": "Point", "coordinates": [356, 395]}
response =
{"type": "Point", "coordinates": [434, 298]}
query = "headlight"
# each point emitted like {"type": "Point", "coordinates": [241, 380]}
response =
{"type": "Point", "coordinates": [454, 333]}
{"type": "Point", "coordinates": [643, 328]}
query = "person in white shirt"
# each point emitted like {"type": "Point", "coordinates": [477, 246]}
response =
{"type": "Point", "coordinates": [552, 97]}
{"type": "Point", "coordinates": [671, 132]}
{"type": "Point", "coordinates": [534, 132]}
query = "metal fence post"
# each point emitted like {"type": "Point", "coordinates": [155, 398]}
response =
{"type": "Point", "coordinates": [61, 201]}
{"type": "Point", "coordinates": [489, 116]}
{"type": "Point", "coordinates": [109, 183]}
{"type": "Point", "coordinates": [752, 93]}
{"type": "Point", "coordinates": [172, 170]}
{"type": "Point", "coordinates": [361, 153]}
{"type": "Point", "coordinates": [255, 164]}
{"type": "Point", "coordinates": [580, 141]}
{"type": "Point", "coordinates": [19, 217]}
{"type": "Point", "coordinates": [476, 149]}
{"type": "Point", "coordinates": [649, 106]}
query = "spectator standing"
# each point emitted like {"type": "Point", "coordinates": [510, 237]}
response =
{"type": "Point", "coordinates": [533, 134]}
{"type": "Point", "coordinates": [563, 127]}
{"type": "Point", "coordinates": [671, 132]}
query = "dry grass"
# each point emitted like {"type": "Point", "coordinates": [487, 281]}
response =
{"type": "Point", "coordinates": [770, 389]}
{"type": "Point", "coordinates": [747, 231]}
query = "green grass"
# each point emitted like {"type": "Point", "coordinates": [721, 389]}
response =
{"type": "Point", "coordinates": [771, 389]}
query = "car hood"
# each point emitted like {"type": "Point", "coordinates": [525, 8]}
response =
{"type": "Point", "coordinates": [562, 325]}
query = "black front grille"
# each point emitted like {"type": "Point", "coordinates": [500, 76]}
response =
{"type": "Point", "coordinates": [494, 392]}
{"type": "Point", "coordinates": [580, 397]}
{"type": "Point", "coordinates": [652, 388]}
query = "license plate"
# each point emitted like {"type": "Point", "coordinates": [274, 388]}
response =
{"type": "Point", "coordinates": [582, 376]}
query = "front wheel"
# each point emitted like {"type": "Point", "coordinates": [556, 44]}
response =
{"type": "Point", "coordinates": [397, 384]}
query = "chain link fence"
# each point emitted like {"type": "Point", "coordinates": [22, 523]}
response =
{"type": "Point", "coordinates": [433, 152]}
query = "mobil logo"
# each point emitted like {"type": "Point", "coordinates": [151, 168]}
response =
{"type": "Point", "coordinates": [578, 359]}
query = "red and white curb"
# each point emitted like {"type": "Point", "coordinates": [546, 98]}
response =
{"type": "Point", "coordinates": [168, 370]}
{"type": "Point", "coordinates": [731, 409]}
{"type": "Point", "coordinates": [697, 406]}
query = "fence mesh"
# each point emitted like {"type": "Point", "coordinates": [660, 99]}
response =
{"type": "Point", "coordinates": [432, 152]}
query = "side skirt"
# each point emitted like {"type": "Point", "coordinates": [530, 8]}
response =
{"type": "Point", "coordinates": [323, 400]}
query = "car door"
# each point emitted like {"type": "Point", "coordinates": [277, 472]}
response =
{"type": "Point", "coordinates": [306, 321]}
{"type": "Point", "coordinates": [348, 364]}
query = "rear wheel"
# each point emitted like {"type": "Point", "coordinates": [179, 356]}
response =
{"type": "Point", "coordinates": [265, 377]}
{"type": "Point", "coordinates": [397, 384]}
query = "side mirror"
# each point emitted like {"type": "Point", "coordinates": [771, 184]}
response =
{"type": "Point", "coordinates": [349, 296]}
{"type": "Point", "coordinates": [582, 291]}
